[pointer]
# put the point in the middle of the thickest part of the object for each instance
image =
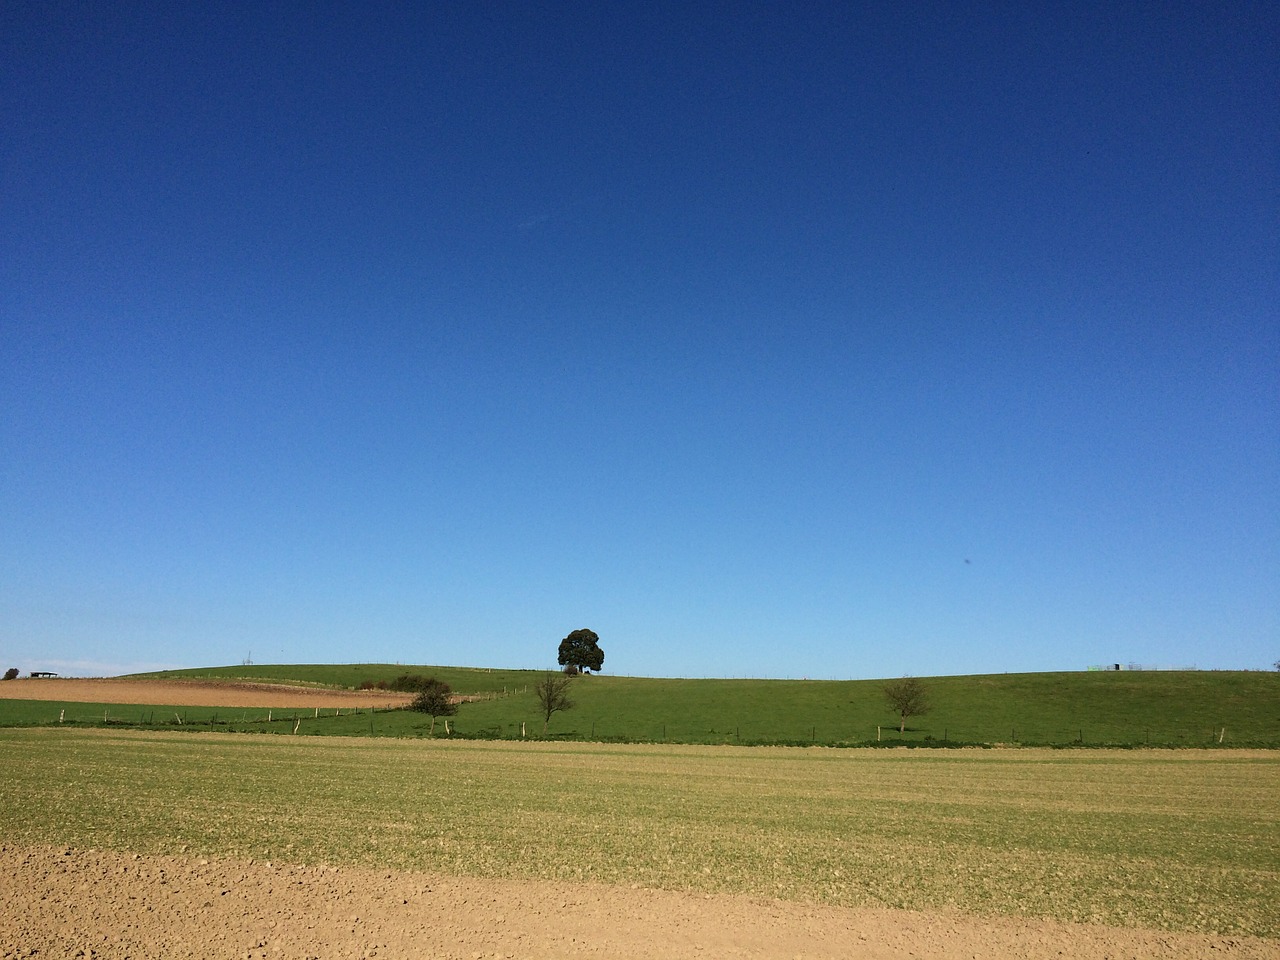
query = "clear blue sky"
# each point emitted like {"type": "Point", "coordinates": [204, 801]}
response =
{"type": "Point", "coordinates": [829, 340]}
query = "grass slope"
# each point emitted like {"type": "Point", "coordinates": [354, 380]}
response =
{"type": "Point", "coordinates": [1190, 708]}
{"type": "Point", "coordinates": [465, 680]}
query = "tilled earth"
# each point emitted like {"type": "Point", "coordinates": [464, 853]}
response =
{"type": "Point", "coordinates": [194, 693]}
{"type": "Point", "coordinates": [62, 902]}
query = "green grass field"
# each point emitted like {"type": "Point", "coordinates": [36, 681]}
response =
{"type": "Point", "coordinates": [1099, 709]}
{"type": "Point", "coordinates": [1185, 840]}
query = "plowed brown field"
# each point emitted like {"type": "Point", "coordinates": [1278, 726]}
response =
{"type": "Point", "coordinates": [193, 693]}
{"type": "Point", "coordinates": [59, 902]}
{"type": "Point", "coordinates": [110, 905]}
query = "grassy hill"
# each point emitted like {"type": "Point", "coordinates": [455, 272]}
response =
{"type": "Point", "coordinates": [465, 680]}
{"type": "Point", "coordinates": [1157, 708]}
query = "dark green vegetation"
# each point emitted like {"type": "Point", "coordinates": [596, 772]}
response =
{"type": "Point", "coordinates": [434, 699]}
{"type": "Point", "coordinates": [580, 651]}
{"type": "Point", "coordinates": [1185, 840]}
{"type": "Point", "coordinates": [1208, 708]}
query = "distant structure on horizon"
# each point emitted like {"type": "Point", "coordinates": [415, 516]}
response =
{"type": "Point", "coordinates": [1136, 666]}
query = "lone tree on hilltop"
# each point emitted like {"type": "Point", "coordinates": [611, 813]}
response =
{"type": "Point", "coordinates": [580, 650]}
{"type": "Point", "coordinates": [552, 692]}
{"type": "Point", "coordinates": [908, 698]}
{"type": "Point", "coordinates": [434, 697]}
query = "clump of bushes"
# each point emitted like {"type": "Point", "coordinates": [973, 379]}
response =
{"type": "Point", "coordinates": [11, 673]}
{"type": "Point", "coordinates": [405, 683]}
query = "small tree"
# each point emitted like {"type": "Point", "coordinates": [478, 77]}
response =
{"type": "Point", "coordinates": [581, 649]}
{"type": "Point", "coordinates": [11, 673]}
{"type": "Point", "coordinates": [552, 692]}
{"type": "Point", "coordinates": [908, 698]}
{"type": "Point", "coordinates": [434, 698]}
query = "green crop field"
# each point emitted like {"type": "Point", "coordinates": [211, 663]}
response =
{"type": "Point", "coordinates": [1185, 708]}
{"type": "Point", "coordinates": [1183, 840]}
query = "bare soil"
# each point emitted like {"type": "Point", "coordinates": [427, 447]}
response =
{"type": "Point", "coordinates": [62, 902]}
{"type": "Point", "coordinates": [194, 693]}
{"type": "Point", "coordinates": [59, 902]}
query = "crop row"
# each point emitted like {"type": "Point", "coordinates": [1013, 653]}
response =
{"type": "Point", "coordinates": [1178, 840]}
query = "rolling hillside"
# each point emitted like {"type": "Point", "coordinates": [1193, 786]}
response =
{"type": "Point", "coordinates": [1157, 708]}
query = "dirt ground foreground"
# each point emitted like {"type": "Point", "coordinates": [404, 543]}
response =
{"type": "Point", "coordinates": [193, 693]}
{"type": "Point", "coordinates": [62, 902]}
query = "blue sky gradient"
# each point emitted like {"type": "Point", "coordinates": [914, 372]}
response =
{"type": "Point", "coordinates": [847, 340]}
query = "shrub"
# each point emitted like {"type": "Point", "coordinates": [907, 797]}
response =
{"type": "Point", "coordinates": [11, 673]}
{"type": "Point", "coordinates": [411, 683]}
{"type": "Point", "coordinates": [435, 699]}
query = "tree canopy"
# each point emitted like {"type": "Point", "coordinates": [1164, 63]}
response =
{"type": "Point", "coordinates": [908, 698]}
{"type": "Point", "coordinates": [434, 698]}
{"type": "Point", "coordinates": [581, 650]}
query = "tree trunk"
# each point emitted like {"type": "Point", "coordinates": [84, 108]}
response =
{"type": "Point", "coordinates": [902, 728]}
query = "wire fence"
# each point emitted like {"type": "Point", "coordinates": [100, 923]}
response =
{"type": "Point", "coordinates": [399, 722]}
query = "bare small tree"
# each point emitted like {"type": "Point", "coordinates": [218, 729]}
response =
{"type": "Point", "coordinates": [552, 692]}
{"type": "Point", "coordinates": [908, 698]}
{"type": "Point", "coordinates": [434, 697]}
